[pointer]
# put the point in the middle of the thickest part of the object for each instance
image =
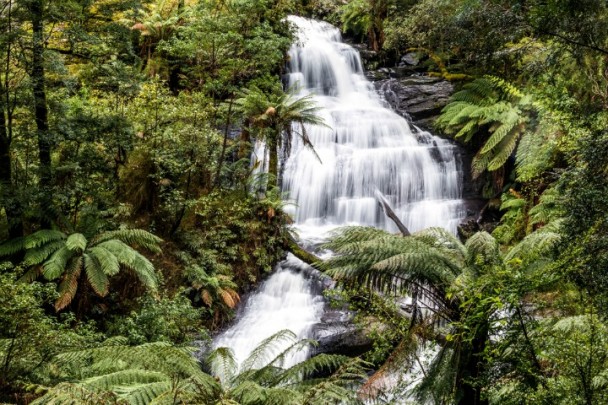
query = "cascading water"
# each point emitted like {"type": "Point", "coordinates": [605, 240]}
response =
{"type": "Point", "coordinates": [366, 148]}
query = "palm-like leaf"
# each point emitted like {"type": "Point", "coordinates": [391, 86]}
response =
{"type": "Point", "coordinates": [437, 263]}
{"type": "Point", "coordinates": [55, 254]}
{"type": "Point", "coordinates": [494, 105]}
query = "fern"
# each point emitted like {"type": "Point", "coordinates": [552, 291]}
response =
{"type": "Point", "coordinates": [54, 254]}
{"type": "Point", "coordinates": [42, 237]}
{"type": "Point", "coordinates": [12, 246]}
{"type": "Point", "coordinates": [69, 285]}
{"type": "Point", "coordinates": [261, 354]}
{"type": "Point", "coordinates": [488, 104]}
{"type": "Point", "coordinates": [56, 264]}
{"type": "Point", "coordinates": [76, 242]}
{"type": "Point", "coordinates": [96, 277]}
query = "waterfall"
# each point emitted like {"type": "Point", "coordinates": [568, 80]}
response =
{"type": "Point", "coordinates": [366, 148]}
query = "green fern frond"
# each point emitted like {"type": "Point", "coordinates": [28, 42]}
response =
{"type": "Point", "coordinates": [507, 124]}
{"type": "Point", "coordinates": [95, 275]}
{"type": "Point", "coordinates": [261, 355]}
{"type": "Point", "coordinates": [311, 366]}
{"type": "Point", "coordinates": [39, 254]}
{"type": "Point", "coordinates": [134, 260]}
{"type": "Point", "coordinates": [137, 237]}
{"type": "Point", "coordinates": [12, 247]}
{"type": "Point", "coordinates": [76, 242]}
{"type": "Point", "coordinates": [108, 261]}
{"type": "Point", "coordinates": [441, 238]}
{"type": "Point", "coordinates": [222, 364]}
{"type": "Point", "coordinates": [480, 164]}
{"type": "Point", "coordinates": [513, 204]}
{"type": "Point", "coordinates": [506, 148]}
{"type": "Point", "coordinates": [42, 237]}
{"type": "Point", "coordinates": [144, 393]}
{"type": "Point", "coordinates": [124, 377]}
{"type": "Point", "coordinates": [55, 265]}
{"type": "Point", "coordinates": [482, 247]}
{"type": "Point", "coordinates": [538, 244]}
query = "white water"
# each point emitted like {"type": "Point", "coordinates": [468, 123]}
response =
{"type": "Point", "coordinates": [366, 148]}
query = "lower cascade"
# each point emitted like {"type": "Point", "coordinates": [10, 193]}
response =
{"type": "Point", "coordinates": [366, 150]}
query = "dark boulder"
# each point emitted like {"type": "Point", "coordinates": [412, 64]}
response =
{"type": "Point", "coordinates": [338, 334]}
{"type": "Point", "coordinates": [419, 97]}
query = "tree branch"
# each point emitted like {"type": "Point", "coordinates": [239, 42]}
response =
{"type": "Point", "coordinates": [386, 208]}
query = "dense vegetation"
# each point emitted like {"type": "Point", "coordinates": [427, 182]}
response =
{"type": "Point", "coordinates": [128, 225]}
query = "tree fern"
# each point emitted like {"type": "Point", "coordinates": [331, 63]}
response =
{"type": "Point", "coordinates": [265, 351]}
{"type": "Point", "coordinates": [493, 105]}
{"type": "Point", "coordinates": [53, 254]}
{"type": "Point", "coordinates": [448, 272]}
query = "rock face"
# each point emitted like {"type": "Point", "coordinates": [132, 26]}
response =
{"type": "Point", "coordinates": [419, 97]}
{"type": "Point", "coordinates": [338, 334]}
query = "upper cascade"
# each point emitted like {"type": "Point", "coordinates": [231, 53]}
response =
{"type": "Point", "coordinates": [366, 148]}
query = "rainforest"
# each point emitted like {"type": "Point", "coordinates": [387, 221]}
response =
{"type": "Point", "coordinates": [251, 202]}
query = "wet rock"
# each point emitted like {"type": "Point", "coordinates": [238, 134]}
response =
{"type": "Point", "coordinates": [410, 59]}
{"type": "Point", "coordinates": [418, 97]}
{"type": "Point", "coordinates": [468, 228]}
{"type": "Point", "coordinates": [337, 333]}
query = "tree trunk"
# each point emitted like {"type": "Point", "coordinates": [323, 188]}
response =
{"type": "Point", "coordinates": [40, 106]}
{"type": "Point", "coordinates": [245, 140]}
{"type": "Point", "coordinates": [273, 160]}
{"type": "Point", "coordinates": [472, 369]}
{"type": "Point", "coordinates": [8, 201]}
{"type": "Point", "coordinates": [220, 163]}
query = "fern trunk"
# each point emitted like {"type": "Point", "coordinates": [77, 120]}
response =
{"type": "Point", "coordinates": [273, 160]}
{"type": "Point", "coordinates": [472, 368]}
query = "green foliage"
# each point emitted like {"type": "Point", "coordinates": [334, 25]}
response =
{"type": "Point", "coordinates": [171, 320]}
{"type": "Point", "coordinates": [487, 104]}
{"type": "Point", "coordinates": [461, 283]}
{"type": "Point", "coordinates": [154, 372]}
{"type": "Point", "coordinates": [29, 338]}
{"type": "Point", "coordinates": [356, 17]}
{"type": "Point", "coordinates": [242, 233]}
{"type": "Point", "coordinates": [275, 118]}
{"type": "Point", "coordinates": [54, 255]}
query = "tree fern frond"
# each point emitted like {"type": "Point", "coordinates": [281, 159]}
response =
{"type": "Point", "coordinates": [535, 245]}
{"type": "Point", "coordinates": [143, 393]}
{"type": "Point", "coordinates": [42, 237]}
{"type": "Point", "coordinates": [134, 260]}
{"type": "Point", "coordinates": [512, 204]}
{"type": "Point", "coordinates": [30, 275]}
{"type": "Point", "coordinates": [108, 261]}
{"type": "Point", "coordinates": [125, 377]}
{"type": "Point", "coordinates": [264, 352]}
{"type": "Point", "coordinates": [55, 265]}
{"type": "Point", "coordinates": [95, 275]}
{"type": "Point", "coordinates": [507, 124]}
{"type": "Point", "coordinates": [222, 363]}
{"type": "Point", "coordinates": [482, 246]}
{"type": "Point", "coordinates": [138, 237]}
{"type": "Point", "coordinates": [37, 255]}
{"type": "Point", "coordinates": [76, 242]}
{"type": "Point", "coordinates": [480, 164]}
{"type": "Point", "coordinates": [506, 148]}
{"type": "Point", "coordinates": [12, 246]}
{"type": "Point", "coordinates": [69, 285]}
{"type": "Point", "coordinates": [441, 238]}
